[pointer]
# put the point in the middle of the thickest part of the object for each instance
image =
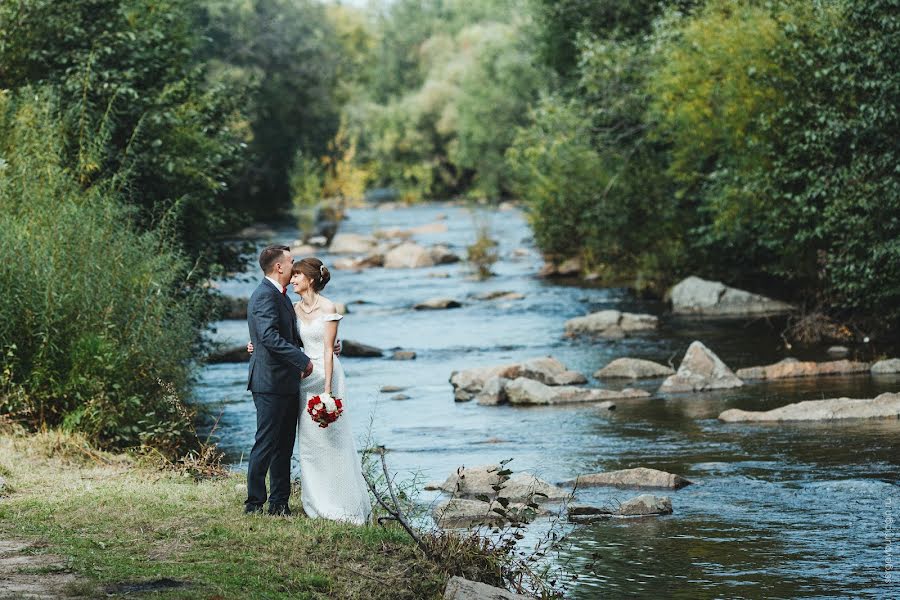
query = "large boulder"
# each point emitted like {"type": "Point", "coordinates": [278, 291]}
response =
{"type": "Point", "coordinates": [700, 370]}
{"type": "Point", "coordinates": [791, 367]}
{"type": "Point", "coordinates": [695, 296]}
{"type": "Point", "coordinates": [351, 243]}
{"type": "Point", "coordinates": [639, 477]}
{"type": "Point", "coordinates": [633, 368]}
{"type": "Point", "coordinates": [885, 406]}
{"type": "Point", "coordinates": [886, 367]}
{"type": "Point", "coordinates": [645, 505]}
{"type": "Point", "coordinates": [611, 324]}
{"type": "Point", "coordinates": [550, 371]}
{"type": "Point", "coordinates": [468, 382]}
{"type": "Point", "coordinates": [408, 255]}
{"type": "Point", "coordinates": [529, 391]}
{"type": "Point", "coordinates": [464, 589]}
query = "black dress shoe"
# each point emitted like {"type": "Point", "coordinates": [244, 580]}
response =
{"type": "Point", "coordinates": [253, 509]}
{"type": "Point", "coordinates": [280, 510]}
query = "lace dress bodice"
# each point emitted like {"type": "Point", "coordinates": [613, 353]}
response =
{"type": "Point", "coordinates": [313, 334]}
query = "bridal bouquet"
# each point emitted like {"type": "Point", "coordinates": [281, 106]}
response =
{"type": "Point", "coordinates": [324, 409]}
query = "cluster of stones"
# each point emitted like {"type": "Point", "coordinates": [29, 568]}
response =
{"type": "Point", "coordinates": [391, 250]}
{"type": "Point", "coordinates": [477, 491]}
{"type": "Point", "coordinates": [542, 380]}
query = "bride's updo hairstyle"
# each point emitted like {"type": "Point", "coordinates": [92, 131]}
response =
{"type": "Point", "coordinates": [314, 270]}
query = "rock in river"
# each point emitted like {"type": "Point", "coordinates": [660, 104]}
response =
{"type": "Point", "coordinates": [529, 391]}
{"type": "Point", "coordinates": [885, 406]}
{"type": "Point", "coordinates": [355, 349]}
{"type": "Point", "coordinates": [611, 324]}
{"type": "Point", "coordinates": [633, 368]}
{"type": "Point", "coordinates": [469, 382]}
{"type": "Point", "coordinates": [437, 304]}
{"type": "Point", "coordinates": [233, 354]}
{"type": "Point", "coordinates": [408, 255]}
{"type": "Point", "coordinates": [695, 296]}
{"type": "Point", "coordinates": [639, 477]}
{"type": "Point", "coordinates": [550, 371]}
{"type": "Point", "coordinates": [886, 367]}
{"type": "Point", "coordinates": [351, 243]}
{"type": "Point", "coordinates": [700, 370]}
{"type": "Point", "coordinates": [462, 511]}
{"type": "Point", "coordinates": [791, 367]}
{"type": "Point", "coordinates": [464, 589]}
{"type": "Point", "coordinates": [646, 505]}
{"type": "Point", "coordinates": [474, 481]}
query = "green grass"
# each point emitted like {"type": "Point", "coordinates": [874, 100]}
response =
{"type": "Point", "coordinates": [119, 521]}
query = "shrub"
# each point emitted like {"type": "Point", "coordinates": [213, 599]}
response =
{"type": "Point", "coordinates": [94, 323]}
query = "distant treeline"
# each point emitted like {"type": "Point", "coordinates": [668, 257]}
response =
{"type": "Point", "coordinates": [754, 142]}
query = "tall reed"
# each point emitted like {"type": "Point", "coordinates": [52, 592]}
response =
{"type": "Point", "coordinates": [96, 323]}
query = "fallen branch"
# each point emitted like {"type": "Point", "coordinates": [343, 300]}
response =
{"type": "Point", "coordinates": [395, 513]}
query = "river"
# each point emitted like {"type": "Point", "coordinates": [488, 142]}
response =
{"type": "Point", "coordinates": [778, 511]}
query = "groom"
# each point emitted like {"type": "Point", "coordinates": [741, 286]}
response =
{"type": "Point", "coordinates": [276, 367]}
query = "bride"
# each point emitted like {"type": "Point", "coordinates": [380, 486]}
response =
{"type": "Point", "coordinates": [332, 485]}
{"type": "Point", "coordinates": [331, 480]}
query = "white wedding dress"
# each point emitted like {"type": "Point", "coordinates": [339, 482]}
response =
{"type": "Point", "coordinates": [332, 485]}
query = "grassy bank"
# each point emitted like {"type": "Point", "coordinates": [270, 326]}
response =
{"type": "Point", "coordinates": [119, 520]}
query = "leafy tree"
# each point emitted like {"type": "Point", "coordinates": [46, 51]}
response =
{"type": "Point", "coordinates": [563, 22]}
{"type": "Point", "coordinates": [833, 188]}
{"type": "Point", "coordinates": [286, 55]}
{"type": "Point", "coordinates": [126, 67]}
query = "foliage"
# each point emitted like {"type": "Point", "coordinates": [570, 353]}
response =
{"type": "Point", "coordinates": [128, 64]}
{"type": "Point", "coordinates": [482, 253]}
{"type": "Point", "coordinates": [563, 22]}
{"type": "Point", "coordinates": [286, 55]}
{"type": "Point", "coordinates": [752, 142]}
{"type": "Point", "coordinates": [447, 135]}
{"type": "Point", "coordinates": [833, 189]}
{"type": "Point", "coordinates": [596, 186]}
{"type": "Point", "coordinates": [96, 321]}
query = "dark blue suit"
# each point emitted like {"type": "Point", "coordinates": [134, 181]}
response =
{"type": "Point", "coordinates": [275, 369]}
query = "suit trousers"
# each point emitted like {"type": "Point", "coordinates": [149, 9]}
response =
{"type": "Point", "coordinates": [276, 431]}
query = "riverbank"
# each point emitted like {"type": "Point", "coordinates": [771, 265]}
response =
{"type": "Point", "coordinates": [115, 525]}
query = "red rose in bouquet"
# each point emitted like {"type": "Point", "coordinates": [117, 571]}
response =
{"type": "Point", "coordinates": [324, 410]}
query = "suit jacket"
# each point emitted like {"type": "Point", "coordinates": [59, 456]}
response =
{"type": "Point", "coordinates": [277, 361]}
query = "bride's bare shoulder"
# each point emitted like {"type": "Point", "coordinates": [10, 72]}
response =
{"type": "Point", "coordinates": [326, 305]}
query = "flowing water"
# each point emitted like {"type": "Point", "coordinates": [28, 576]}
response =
{"type": "Point", "coordinates": [777, 511]}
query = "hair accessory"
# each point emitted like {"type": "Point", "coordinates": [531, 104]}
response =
{"type": "Point", "coordinates": [321, 270]}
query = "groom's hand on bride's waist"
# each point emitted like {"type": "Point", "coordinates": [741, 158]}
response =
{"type": "Point", "coordinates": [337, 347]}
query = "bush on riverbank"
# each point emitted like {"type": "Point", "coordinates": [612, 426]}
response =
{"type": "Point", "coordinates": [97, 329]}
{"type": "Point", "coordinates": [750, 142]}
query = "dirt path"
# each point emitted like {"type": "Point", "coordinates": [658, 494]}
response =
{"type": "Point", "coordinates": [24, 574]}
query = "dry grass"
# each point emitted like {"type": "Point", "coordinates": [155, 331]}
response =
{"type": "Point", "coordinates": [119, 520]}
